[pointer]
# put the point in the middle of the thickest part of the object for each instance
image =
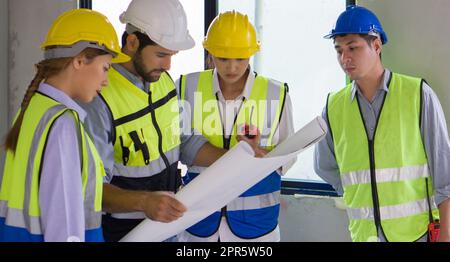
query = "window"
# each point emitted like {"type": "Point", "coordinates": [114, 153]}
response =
{"type": "Point", "coordinates": [185, 61]}
{"type": "Point", "coordinates": [293, 51]}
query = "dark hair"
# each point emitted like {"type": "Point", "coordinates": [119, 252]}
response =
{"type": "Point", "coordinates": [369, 39]}
{"type": "Point", "coordinates": [209, 63]}
{"type": "Point", "coordinates": [45, 69]}
{"type": "Point", "coordinates": [144, 40]}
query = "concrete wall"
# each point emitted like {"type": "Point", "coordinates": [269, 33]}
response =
{"type": "Point", "coordinates": [312, 219]}
{"type": "Point", "coordinates": [3, 75]}
{"type": "Point", "coordinates": [419, 34]}
{"type": "Point", "coordinates": [29, 22]}
{"type": "Point", "coordinates": [23, 26]}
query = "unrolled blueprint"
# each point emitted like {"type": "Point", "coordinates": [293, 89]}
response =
{"type": "Point", "coordinates": [225, 180]}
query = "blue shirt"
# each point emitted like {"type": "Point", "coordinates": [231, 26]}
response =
{"type": "Point", "coordinates": [433, 131]}
{"type": "Point", "coordinates": [60, 188]}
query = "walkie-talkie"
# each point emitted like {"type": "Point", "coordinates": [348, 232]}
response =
{"type": "Point", "coordinates": [434, 231]}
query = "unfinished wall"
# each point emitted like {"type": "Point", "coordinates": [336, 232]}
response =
{"type": "Point", "coordinates": [419, 34]}
{"type": "Point", "coordinates": [312, 219]}
{"type": "Point", "coordinates": [3, 75]}
{"type": "Point", "coordinates": [29, 22]}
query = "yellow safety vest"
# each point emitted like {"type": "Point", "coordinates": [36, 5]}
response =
{"type": "Point", "coordinates": [255, 212]}
{"type": "Point", "coordinates": [19, 193]}
{"type": "Point", "coordinates": [147, 125]}
{"type": "Point", "coordinates": [265, 106]}
{"type": "Point", "coordinates": [386, 180]}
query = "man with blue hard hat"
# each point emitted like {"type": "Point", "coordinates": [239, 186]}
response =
{"type": "Point", "coordinates": [387, 148]}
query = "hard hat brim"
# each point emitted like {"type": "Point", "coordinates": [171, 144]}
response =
{"type": "Point", "coordinates": [186, 44]}
{"type": "Point", "coordinates": [120, 58]}
{"type": "Point", "coordinates": [333, 35]}
{"type": "Point", "coordinates": [329, 36]}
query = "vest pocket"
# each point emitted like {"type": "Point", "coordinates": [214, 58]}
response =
{"type": "Point", "coordinates": [133, 147]}
{"type": "Point", "coordinates": [138, 145]}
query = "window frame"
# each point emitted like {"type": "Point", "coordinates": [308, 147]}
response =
{"type": "Point", "coordinates": [289, 186]}
{"type": "Point", "coordinates": [85, 4]}
{"type": "Point", "coordinates": [292, 186]}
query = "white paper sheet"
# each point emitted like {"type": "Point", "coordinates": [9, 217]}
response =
{"type": "Point", "coordinates": [226, 179]}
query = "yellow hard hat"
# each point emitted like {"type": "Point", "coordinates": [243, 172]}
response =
{"type": "Point", "coordinates": [84, 25]}
{"type": "Point", "coordinates": [231, 35]}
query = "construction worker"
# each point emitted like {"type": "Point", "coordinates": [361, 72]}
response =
{"type": "Point", "coordinates": [387, 148]}
{"type": "Point", "coordinates": [51, 188]}
{"type": "Point", "coordinates": [135, 122]}
{"type": "Point", "coordinates": [223, 102]}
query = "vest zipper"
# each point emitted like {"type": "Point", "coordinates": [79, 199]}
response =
{"type": "Point", "coordinates": [158, 131]}
{"type": "Point", "coordinates": [373, 179]}
{"type": "Point", "coordinates": [373, 183]}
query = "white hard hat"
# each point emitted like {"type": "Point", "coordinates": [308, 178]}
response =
{"type": "Point", "coordinates": [164, 21]}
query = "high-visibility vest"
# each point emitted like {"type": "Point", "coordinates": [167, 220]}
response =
{"type": "Point", "coordinates": [147, 135]}
{"type": "Point", "coordinates": [386, 179]}
{"type": "Point", "coordinates": [19, 193]}
{"type": "Point", "coordinates": [255, 212]}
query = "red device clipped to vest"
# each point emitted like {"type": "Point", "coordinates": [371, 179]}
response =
{"type": "Point", "coordinates": [247, 132]}
{"type": "Point", "coordinates": [433, 231]}
{"type": "Point", "coordinates": [247, 127]}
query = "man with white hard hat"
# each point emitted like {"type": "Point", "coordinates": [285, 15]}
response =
{"type": "Point", "coordinates": [135, 122]}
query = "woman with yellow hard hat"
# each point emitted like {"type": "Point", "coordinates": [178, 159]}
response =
{"type": "Point", "coordinates": [235, 97]}
{"type": "Point", "coordinates": [51, 188]}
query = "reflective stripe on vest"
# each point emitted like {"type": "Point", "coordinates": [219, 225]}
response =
{"type": "Point", "coordinates": [267, 100]}
{"type": "Point", "coordinates": [19, 194]}
{"type": "Point", "coordinates": [129, 215]}
{"type": "Point", "coordinates": [392, 212]}
{"type": "Point", "coordinates": [385, 175]}
{"type": "Point", "coordinates": [254, 202]}
{"type": "Point", "coordinates": [384, 180]}
{"type": "Point", "coordinates": [147, 126]}
{"type": "Point", "coordinates": [153, 168]}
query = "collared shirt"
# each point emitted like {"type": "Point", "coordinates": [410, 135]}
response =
{"type": "Point", "coordinates": [433, 131]}
{"type": "Point", "coordinates": [60, 188]}
{"type": "Point", "coordinates": [285, 127]}
{"type": "Point", "coordinates": [228, 110]}
{"type": "Point", "coordinates": [100, 126]}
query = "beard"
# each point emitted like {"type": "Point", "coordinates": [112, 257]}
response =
{"type": "Point", "coordinates": [143, 72]}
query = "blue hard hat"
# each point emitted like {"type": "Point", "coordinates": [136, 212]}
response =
{"type": "Point", "coordinates": [357, 20]}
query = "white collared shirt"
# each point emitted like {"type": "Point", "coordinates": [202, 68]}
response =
{"type": "Point", "coordinates": [228, 110]}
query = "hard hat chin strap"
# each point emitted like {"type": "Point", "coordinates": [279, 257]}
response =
{"type": "Point", "coordinates": [73, 50]}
